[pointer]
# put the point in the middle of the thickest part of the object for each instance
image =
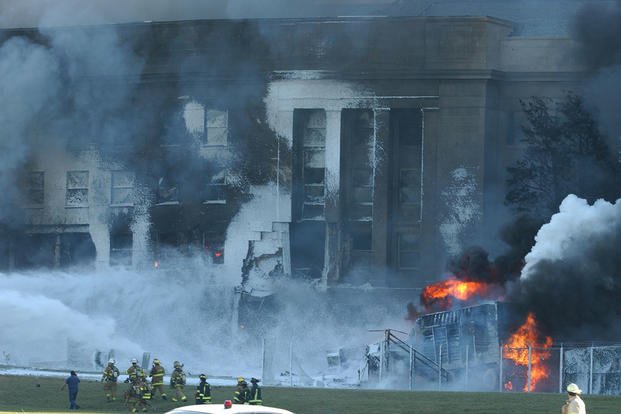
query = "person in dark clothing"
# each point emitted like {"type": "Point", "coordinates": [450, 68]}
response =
{"type": "Point", "coordinates": [71, 383]}
{"type": "Point", "coordinates": [242, 392]}
{"type": "Point", "coordinates": [202, 394]}
{"type": "Point", "coordinates": [255, 393]}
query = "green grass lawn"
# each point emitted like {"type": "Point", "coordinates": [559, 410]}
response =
{"type": "Point", "coordinates": [35, 394]}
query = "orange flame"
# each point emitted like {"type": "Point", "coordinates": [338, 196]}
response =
{"type": "Point", "coordinates": [443, 292]}
{"type": "Point", "coordinates": [516, 349]}
{"type": "Point", "coordinates": [508, 386]}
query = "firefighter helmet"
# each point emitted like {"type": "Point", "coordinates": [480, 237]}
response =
{"type": "Point", "coordinates": [202, 377]}
{"type": "Point", "coordinates": [177, 364]}
{"type": "Point", "coordinates": [111, 361]}
{"type": "Point", "coordinates": [156, 361]}
{"type": "Point", "coordinates": [240, 380]}
{"type": "Point", "coordinates": [134, 361]}
{"type": "Point", "coordinates": [254, 380]}
{"type": "Point", "coordinates": [573, 388]}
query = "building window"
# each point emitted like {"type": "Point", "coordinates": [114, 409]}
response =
{"type": "Point", "coordinates": [167, 190]}
{"type": "Point", "coordinates": [215, 189]}
{"type": "Point", "coordinates": [209, 126]}
{"type": "Point", "coordinates": [34, 188]}
{"type": "Point", "coordinates": [194, 117]}
{"type": "Point", "coordinates": [122, 188]}
{"type": "Point", "coordinates": [121, 249]}
{"type": "Point", "coordinates": [309, 164]}
{"type": "Point", "coordinates": [217, 127]}
{"type": "Point", "coordinates": [77, 189]}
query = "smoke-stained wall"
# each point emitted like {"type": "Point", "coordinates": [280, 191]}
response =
{"type": "Point", "coordinates": [202, 116]}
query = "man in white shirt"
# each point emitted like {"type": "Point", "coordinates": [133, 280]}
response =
{"type": "Point", "coordinates": [574, 404]}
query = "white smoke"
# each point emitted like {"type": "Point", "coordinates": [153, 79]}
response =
{"type": "Point", "coordinates": [179, 314]}
{"type": "Point", "coordinates": [571, 230]}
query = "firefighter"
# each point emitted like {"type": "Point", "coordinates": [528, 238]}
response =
{"type": "Point", "coordinates": [203, 391]}
{"type": "Point", "coordinates": [133, 371]}
{"type": "Point", "coordinates": [157, 379]}
{"type": "Point", "coordinates": [242, 392]}
{"type": "Point", "coordinates": [574, 404]}
{"type": "Point", "coordinates": [109, 378]}
{"type": "Point", "coordinates": [138, 394]}
{"type": "Point", "coordinates": [177, 382]}
{"type": "Point", "coordinates": [255, 392]}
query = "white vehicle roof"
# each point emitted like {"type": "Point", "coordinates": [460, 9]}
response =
{"type": "Point", "coordinates": [235, 409]}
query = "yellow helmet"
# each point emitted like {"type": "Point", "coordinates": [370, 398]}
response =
{"type": "Point", "coordinates": [156, 361]}
{"type": "Point", "coordinates": [177, 364]}
{"type": "Point", "coordinates": [240, 380]}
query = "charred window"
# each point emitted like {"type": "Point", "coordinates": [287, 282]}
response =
{"type": "Point", "coordinates": [167, 190]}
{"type": "Point", "coordinates": [215, 189]}
{"type": "Point", "coordinates": [122, 188]}
{"type": "Point", "coordinates": [214, 247]}
{"type": "Point", "coordinates": [309, 163]}
{"type": "Point", "coordinates": [121, 249]}
{"type": "Point", "coordinates": [77, 189]}
{"type": "Point", "coordinates": [35, 188]}
{"type": "Point", "coordinates": [358, 153]}
{"type": "Point", "coordinates": [308, 233]}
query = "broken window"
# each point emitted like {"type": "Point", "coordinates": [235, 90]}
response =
{"type": "Point", "coordinates": [310, 168]}
{"type": "Point", "coordinates": [167, 191]}
{"type": "Point", "coordinates": [122, 188]}
{"type": "Point", "coordinates": [121, 249]}
{"type": "Point", "coordinates": [34, 188]}
{"type": "Point", "coordinates": [77, 189]}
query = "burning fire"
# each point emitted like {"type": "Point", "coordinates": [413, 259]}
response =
{"type": "Point", "coordinates": [516, 349]}
{"type": "Point", "coordinates": [440, 295]}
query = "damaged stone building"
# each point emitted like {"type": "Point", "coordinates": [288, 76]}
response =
{"type": "Point", "coordinates": [352, 149]}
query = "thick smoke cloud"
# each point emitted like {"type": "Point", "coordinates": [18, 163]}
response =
{"type": "Point", "coordinates": [597, 29]}
{"type": "Point", "coordinates": [29, 83]}
{"type": "Point", "coordinates": [572, 276]}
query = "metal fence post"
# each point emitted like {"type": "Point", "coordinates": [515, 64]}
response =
{"type": "Point", "coordinates": [411, 367]}
{"type": "Point", "coordinates": [467, 368]}
{"type": "Point", "coordinates": [591, 371]}
{"type": "Point", "coordinates": [500, 379]}
{"type": "Point", "coordinates": [291, 364]}
{"type": "Point", "coordinates": [530, 365]}
{"type": "Point", "coordinates": [381, 361]}
{"type": "Point", "coordinates": [263, 360]}
{"type": "Point", "coordinates": [440, 369]}
{"type": "Point", "coordinates": [560, 371]}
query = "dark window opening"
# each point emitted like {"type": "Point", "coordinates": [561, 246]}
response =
{"type": "Point", "coordinates": [361, 237]}
{"type": "Point", "coordinates": [77, 249]}
{"type": "Point", "coordinates": [167, 191]}
{"type": "Point", "coordinates": [410, 128]}
{"type": "Point", "coordinates": [35, 188]}
{"type": "Point", "coordinates": [307, 249]}
{"type": "Point", "coordinates": [121, 248]}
